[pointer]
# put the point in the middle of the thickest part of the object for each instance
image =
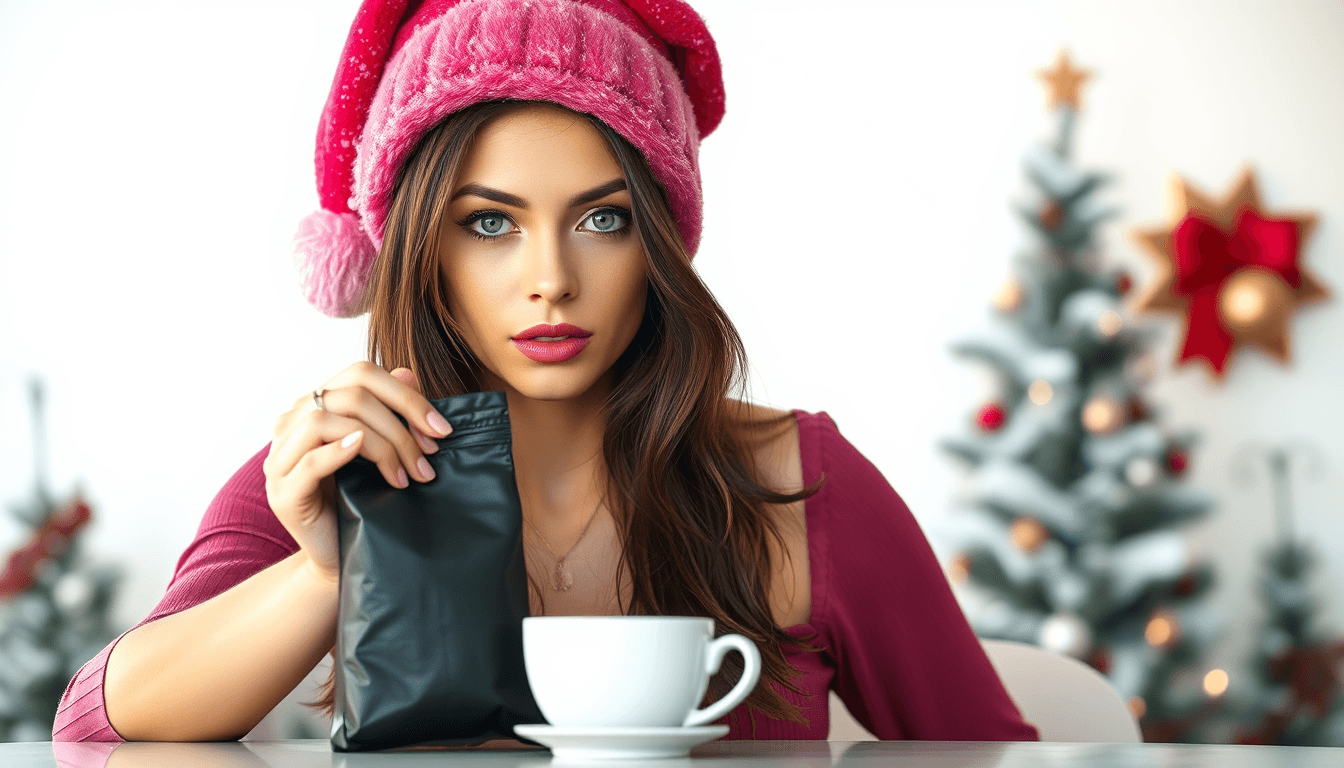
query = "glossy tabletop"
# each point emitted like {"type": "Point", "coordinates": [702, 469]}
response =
{"type": "Point", "coordinates": [795, 754]}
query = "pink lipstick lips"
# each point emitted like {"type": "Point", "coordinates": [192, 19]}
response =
{"type": "Point", "coordinates": [552, 343]}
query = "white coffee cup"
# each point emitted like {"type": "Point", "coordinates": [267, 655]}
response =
{"type": "Point", "coordinates": [630, 671]}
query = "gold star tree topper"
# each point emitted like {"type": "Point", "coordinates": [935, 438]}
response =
{"type": "Point", "coordinates": [1231, 269]}
{"type": "Point", "coordinates": [1066, 83]}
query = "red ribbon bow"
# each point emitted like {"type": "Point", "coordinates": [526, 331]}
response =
{"type": "Point", "coordinates": [1206, 257]}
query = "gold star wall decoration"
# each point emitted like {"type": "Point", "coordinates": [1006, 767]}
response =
{"type": "Point", "coordinates": [1231, 269]}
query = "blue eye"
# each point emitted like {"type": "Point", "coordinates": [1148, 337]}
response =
{"type": "Point", "coordinates": [490, 224]}
{"type": "Point", "coordinates": [606, 221]}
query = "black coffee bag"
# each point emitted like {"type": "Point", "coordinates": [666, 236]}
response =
{"type": "Point", "coordinates": [433, 593]}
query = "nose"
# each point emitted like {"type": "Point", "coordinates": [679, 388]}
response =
{"type": "Point", "coordinates": [550, 274]}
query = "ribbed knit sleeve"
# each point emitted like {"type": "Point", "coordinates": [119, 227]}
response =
{"type": "Point", "coordinates": [238, 537]}
{"type": "Point", "coordinates": [908, 665]}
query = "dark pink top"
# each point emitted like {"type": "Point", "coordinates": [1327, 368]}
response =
{"type": "Point", "coordinates": [898, 649]}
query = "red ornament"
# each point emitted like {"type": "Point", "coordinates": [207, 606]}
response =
{"type": "Point", "coordinates": [1100, 659]}
{"type": "Point", "coordinates": [1186, 585]}
{"type": "Point", "coordinates": [1137, 410]}
{"type": "Point", "coordinates": [1123, 283]}
{"type": "Point", "coordinates": [991, 417]}
{"type": "Point", "coordinates": [1177, 461]}
{"type": "Point", "coordinates": [1051, 216]}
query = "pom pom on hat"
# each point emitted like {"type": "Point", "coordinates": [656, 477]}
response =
{"type": "Point", "coordinates": [334, 258]}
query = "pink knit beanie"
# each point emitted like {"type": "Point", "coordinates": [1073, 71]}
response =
{"type": "Point", "coordinates": [647, 68]}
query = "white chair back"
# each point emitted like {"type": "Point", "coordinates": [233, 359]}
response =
{"type": "Point", "coordinates": [1064, 698]}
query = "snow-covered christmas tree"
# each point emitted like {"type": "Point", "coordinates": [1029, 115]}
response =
{"type": "Point", "coordinates": [1294, 696]}
{"type": "Point", "coordinates": [54, 606]}
{"type": "Point", "coordinates": [1069, 532]}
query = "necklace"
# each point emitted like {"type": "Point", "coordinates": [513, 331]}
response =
{"type": "Point", "coordinates": [563, 579]}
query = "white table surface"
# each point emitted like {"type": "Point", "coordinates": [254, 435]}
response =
{"type": "Point", "coordinates": [317, 753]}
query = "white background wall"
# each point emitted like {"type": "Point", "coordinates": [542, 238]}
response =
{"type": "Point", "coordinates": [155, 158]}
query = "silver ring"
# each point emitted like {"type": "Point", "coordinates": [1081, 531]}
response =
{"type": "Point", "coordinates": [317, 398]}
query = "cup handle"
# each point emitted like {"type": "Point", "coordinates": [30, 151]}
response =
{"type": "Point", "coordinates": [751, 672]}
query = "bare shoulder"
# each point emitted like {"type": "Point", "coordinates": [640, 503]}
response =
{"type": "Point", "coordinates": [773, 437]}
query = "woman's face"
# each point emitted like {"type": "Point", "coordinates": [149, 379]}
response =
{"type": "Point", "coordinates": [538, 232]}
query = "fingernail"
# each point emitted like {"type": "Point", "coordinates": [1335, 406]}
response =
{"type": "Point", "coordinates": [426, 471]}
{"type": "Point", "coordinates": [352, 438]}
{"type": "Point", "coordinates": [402, 482]}
{"type": "Point", "coordinates": [436, 421]}
{"type": "Point", "coordinates": [426, 445]}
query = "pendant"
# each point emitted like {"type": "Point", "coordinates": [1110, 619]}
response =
{"type": "Point", "coordinates": [563, 578]}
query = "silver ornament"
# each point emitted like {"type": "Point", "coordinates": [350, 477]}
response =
{"type": "Point", "coordinates": [1141, 472]}
{"type": "Point", "coordinates": [73, 592]}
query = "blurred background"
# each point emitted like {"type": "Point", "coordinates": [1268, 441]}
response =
{"type": "Point", "coordinates": [867, 202]}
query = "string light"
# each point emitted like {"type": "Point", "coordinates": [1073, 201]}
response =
{"type": "Point", "coordinates": [1161, 629]}
{"type": "Point", "coordinates": [959, 570]}
{"type": "Point", "coordinates": [1009, 296]}
{"type": "Point", "coordinates": [1028, 533]}
{"type": "Point", "coordinates": [1215, 683]}
{"type": "Point", "coordinates": [1137, 706]}
{"type": "Point", "coordinates": [1102, 415]}
{"type": "Point", "coordinates": [1110, 323]}
{"type": "Point", "coordinates": [1040, 392]}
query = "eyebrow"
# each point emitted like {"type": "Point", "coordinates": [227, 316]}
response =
{"type": "Point", "coordinates": [500, 196]}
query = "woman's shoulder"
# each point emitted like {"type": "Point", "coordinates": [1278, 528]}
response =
{"type": "Point", "coordinates": [853, 494]}
{"type": "Point", "coordinates": [826, 453]}
{"type": "Point", "coordinates": [792, 446]}
{"type": "Point", "coordinates": [774, 440]}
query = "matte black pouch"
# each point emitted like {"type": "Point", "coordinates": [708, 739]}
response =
{"type": "Point", "coordinates": [429, 645]}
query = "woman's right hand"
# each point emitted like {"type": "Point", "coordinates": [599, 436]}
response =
{"type": "Point", "coordinates": [310, 444]}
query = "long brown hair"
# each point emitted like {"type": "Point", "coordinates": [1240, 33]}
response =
{"type": "Point", "coordinates": [694, 524]}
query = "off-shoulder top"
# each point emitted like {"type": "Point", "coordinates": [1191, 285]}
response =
{"type": "Point", "coordinates": [897, 648]}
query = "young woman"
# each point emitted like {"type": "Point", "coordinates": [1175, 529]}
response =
{"type": "Point", "coordinates": [511, 189]}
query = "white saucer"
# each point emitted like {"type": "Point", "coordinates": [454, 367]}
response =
{"type": "Point", "coordinates": [619, 743]}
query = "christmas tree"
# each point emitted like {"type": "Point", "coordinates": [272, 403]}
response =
{"type": "Point", "coordinates": [1069, 533]}
{"type": "Point", "coordinates": [1295, 697]}
{"type": "Point", "coordinates": [54, 607]}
